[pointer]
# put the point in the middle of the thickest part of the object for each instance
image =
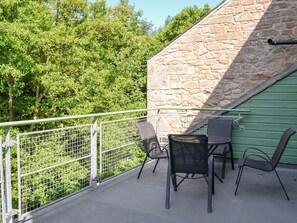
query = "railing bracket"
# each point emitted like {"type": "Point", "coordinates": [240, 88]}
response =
{"type": "Point", "coordinates": [9, 143]}
{"type": "Point", "coordinates": [97, 179]}
{"type": "Point", "coordinates": [96, 129]}
{"type": "Point", "coordinates": [12, 213]}
{"type": "Point", "coordinates": [94, 183]}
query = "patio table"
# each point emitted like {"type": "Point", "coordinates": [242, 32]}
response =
{"type": "Point", "coordinates": [214, 141]}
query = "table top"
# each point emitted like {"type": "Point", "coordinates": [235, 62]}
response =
{"type": "Point", "coordinates": [212, 139]}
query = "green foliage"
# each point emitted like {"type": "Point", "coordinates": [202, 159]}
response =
{"type": "Point", "coordinates": [121, 147]}
{"type": "Point", "coordinates": [53, 164]}
{"type": "Point", "coordinates": [176, 25]}
{"type": "Point", "coordinates": [70, 57]}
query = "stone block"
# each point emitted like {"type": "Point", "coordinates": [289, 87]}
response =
{"type": "Point", "coordinates": [220, 37]}
{"type": "Point", "coordinates": [191, 70]}
{"type": "Point", "coordinates": [218, 29]}
{"type": "Point", "coordinates": [238, 9]}
{"type": "Point", "coordinates": [225, 19]}
{"type": "Point", "coordinates": [245, 16]}
{"type": "Point", "coordinates": [229, 10]}
{"type": "Point", "coordinates": [263, 1]}
{"type": "Point", "coordinates": [174, 82]}
{"type": "Point", "coordinates": [190, 85]}
{"type": "Point", "coordinates": [247, 2]}
{"type": "Point", "coordinates": [184, 47]}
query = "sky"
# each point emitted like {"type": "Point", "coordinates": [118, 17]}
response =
{"type": "Point", "coordinates": [156, 11]}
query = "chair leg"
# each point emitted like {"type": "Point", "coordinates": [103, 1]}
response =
{"type": "Point", "coordinates": [141, 167]}
{"type": "Point", "coordinates": [210, 185]}
{"type": "Point", "coordinates": [167, 201]}
{"type": "Point", "coordinates": [231, 155]}
{"type": "Point", "coordinates": [156, 165]}
{"type": "Point", "coordinates": [282, 184]}
{"type": "Point", "coordinates": [236, 182]}
{"type": "Point", "coordinates": [213, 179]}
{"type": "Point", "coordinates": [238, 179]}
{"type": "Point", "coordinates": [224, 164]}
{"type": "Point", "coordinates": [174, 182]}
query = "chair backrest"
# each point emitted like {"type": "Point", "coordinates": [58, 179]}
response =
{"type": "Point", "coordinates": [188, 154]}
{"type": "Point", "coordinates": [220, 127]}
{"type": "Point", "coordinates": [149, 138]}
{"type": "Point", "coordinates": [281, 146]}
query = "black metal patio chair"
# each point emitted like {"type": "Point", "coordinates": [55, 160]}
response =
{"type": "Point", "coordinates": [151, 144]}
{"type": "Point", "coordinates": [188, 156]}
{"type": "Point", "coordinates": [222, 127]}
{"type": "Point", "coordinates": [264, 162]}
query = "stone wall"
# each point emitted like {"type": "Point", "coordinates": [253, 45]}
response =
{"type": "Point", "coordinates": [224, 55]}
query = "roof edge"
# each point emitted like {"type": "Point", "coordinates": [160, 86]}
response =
{"type": "Point", "coordinates": [266, 84]}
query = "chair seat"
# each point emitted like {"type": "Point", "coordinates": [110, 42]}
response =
{"type": "Point", "coordinates": [160, 155]}
{"type": "Point", "coordinates": [257, 164]}
{"type": "Point", "coordinates": [220, 150]}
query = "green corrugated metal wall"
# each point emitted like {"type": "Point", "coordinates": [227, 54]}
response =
{"type": "Point", "coordinates": [272, 111]}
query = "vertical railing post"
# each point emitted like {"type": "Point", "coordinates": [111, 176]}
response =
{"type": "Point", "coordinates": [100, 149]}
{"type": "Point", "coordinates": [3, 199]}
{"type": "Point", "coordinates": [10, 212]}
{"type": "Point", "coordinates": [94, 148]}
{"type": "Point", "coordinates": [8, 178]}
{"type": "Point", "coordinates": [158, 126]}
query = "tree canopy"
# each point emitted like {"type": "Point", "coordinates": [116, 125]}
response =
{"type": "Point", "coordinates": [176, 25]}
{"type": "Point", "coordinates": [69, 57]}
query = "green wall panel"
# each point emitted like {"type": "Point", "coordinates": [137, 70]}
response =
{"type": "Point", "coordinates": [272, 111]}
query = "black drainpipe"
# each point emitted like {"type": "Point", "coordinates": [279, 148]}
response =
{"type": "Point", "coordinates": [281, 42]}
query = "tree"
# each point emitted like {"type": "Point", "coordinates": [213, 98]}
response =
{"type": "Point", "coordinates": [176, 25]}
{"type": "Point", "coordinates": [71, 57]}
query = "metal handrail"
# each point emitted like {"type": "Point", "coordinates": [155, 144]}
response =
{"type": "Point", "coordinates": [10, 212]}
{"type": "Point", "coordinates": [37, 121]}
{"type": "Point", "coordinates": [204, 109]}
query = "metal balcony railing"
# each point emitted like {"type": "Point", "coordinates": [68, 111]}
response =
{"type": "Point", "coordinates": [45, 166]}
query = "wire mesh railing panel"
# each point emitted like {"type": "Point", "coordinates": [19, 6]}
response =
{"type": "Point", "coordinates": [52, 164]}
{"type": "Point", "coordinates": [2, 203]}
{"type": "Point", "coordinates": [120, 147]}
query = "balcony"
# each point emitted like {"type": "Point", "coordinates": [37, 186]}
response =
{"type": "Point", "coordinates": [84, 168]}
{"type": "Point", "coordinates": [126, 199]}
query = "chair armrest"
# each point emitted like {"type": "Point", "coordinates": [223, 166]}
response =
{"type": "Point", "coordinates": [258, 150]}
{"type": "Point", "coordinates": [151, 150]}
{"type": "Point", "coordinates": [267, 159]}
{"type": "Point", "coordinates": [257, 155]}
{"type": "Point", "coordinates": [162, 149]}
